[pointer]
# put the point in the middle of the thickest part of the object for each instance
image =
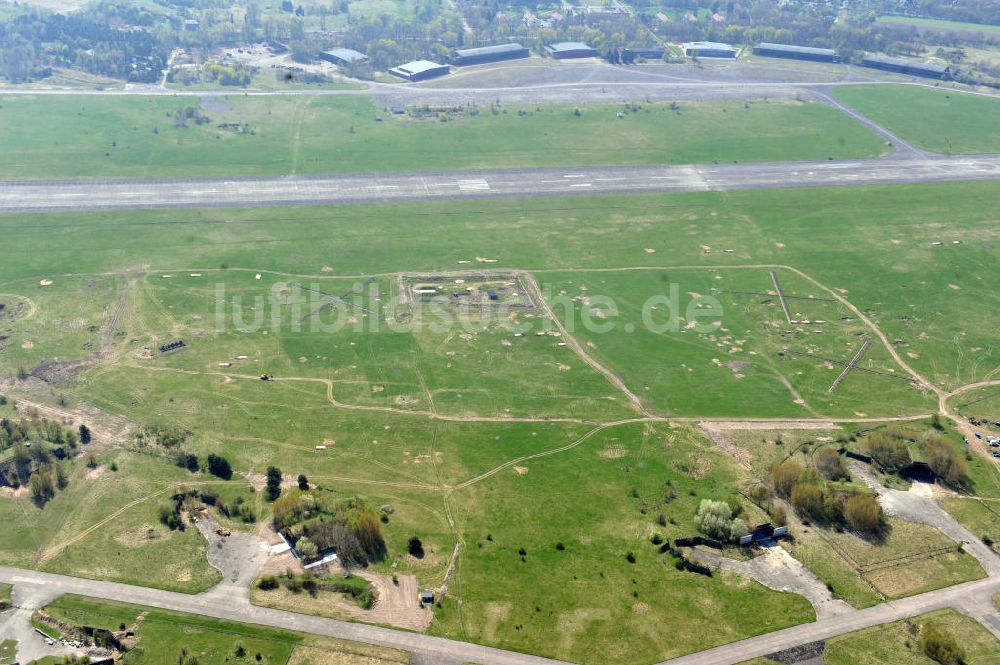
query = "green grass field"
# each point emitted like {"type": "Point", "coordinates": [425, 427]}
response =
{"type": "Point", "coordinates": [940, 23]}
{"type": "Point", "coordinates": [137, 136]}
{"type": "Point", "coordinates": [481, 437]}
{"type": "Point", "coordinates": [946, 121]}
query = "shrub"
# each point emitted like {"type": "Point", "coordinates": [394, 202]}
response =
{"type": "Point", "coordinates": [784, 476]}
{"type": "Point", "coordinates": [415, 547]}
{"type": "Point", "coordinates": [219, 466]}
{"type": "Point", "coordinates": [829, 464]}
{"type": "Point", "coordinates": [808, 500]}
{"type": "Point", "coordinates": [943, 460]}
{"type": "Point", "coordinates": [890, 453]}
{"type": "Point", "coordinates": [268, 583]}
{"type": "Point", "coordinates": [715, 520]}
{"type": "Point", "coordinates": [941, 646]}
{"type": "Point", "coordinates": [863, 513]}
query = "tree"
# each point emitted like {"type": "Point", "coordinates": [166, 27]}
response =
{"type": "Point", "coordinates": [891, 454]}
{"type": "Point", "coordinates": [415, 547]}
{"type": "Point", "coordinates": [807, 498]}
{"type": "Point", "coordinates": [62, 480]}
{"type": "Point", "coordinates": [273, 483]}
{"type": "Point", "coordinates": [941, 646]}
{"type": "Point", "coordinates": [366, 528]}
{"type": "Point", "coordinates": [219, 466]}
{"type": "Point", "coordinates": [715, 520]}
{"type": "Point", "coordinates": [863, 513]}
{"type": "Point", "coordinates": [303, 482]}
{"type": "Point", "coordinates": [41, 485]}
{"type": "Point", "coordinates": [784, 476]}
{"type": "Point", "coordinates": [943, 460]}
{"type": "Point", "coordinates": [829, 464]}
{"type": "Point", "coordinates": [85, 435]}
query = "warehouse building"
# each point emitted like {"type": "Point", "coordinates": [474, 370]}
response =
{"type": "Point", "coordinates": [567, 50]}
{"type": "Point", "coordinates": [343, 56]}
{"type": "Point", "coordinates": [420, 70]}
{"type": "Point", "coordinates": [478, 56]}
{"type": "Point", "coordinates": [647, 53]}
{"type": "Point", "coordinates": [901, 66]}
{"type": "Point", "coordinates": [708, 50]}
{"type": "Point", "coordinates": [796, 52]}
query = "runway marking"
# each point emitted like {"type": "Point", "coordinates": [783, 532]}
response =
{"type": "Point", "coordinates": [582, 184]}
{"type": "Point", "coordinates": [578, 175]}
{"type": "Point", "coordinates": [477, 185]}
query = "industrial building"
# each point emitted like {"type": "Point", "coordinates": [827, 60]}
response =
{"type": "Point", "coordinates": [478, 56]}
{"type": "Point", "coordinates": [343, 56]}
{"type": "Point", "coordinates": [708, 50]}
{"type": "Point", "coordinates": [567, 50]}
{"type": "Point", "coordinates": [901, 66]}
{"type": "Point", "coordinates": [796, 52]}
{"type": "Point", "coordinates": [647, 53]}
{"type": "Point", "coordinates": [420, 70]}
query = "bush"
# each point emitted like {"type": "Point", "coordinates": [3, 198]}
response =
{"type": "Point", "coordinates": [941, 646]}
{"type": "Point", "coordinates": [890, 453]}
{"type": "Point", "coordinates": [415, 547]}
{"type": "Point", "coordinates": [830, 465]}
{"type": "Point", "coordinates": [784, 476]}
{"type": "Point", "coordinates": [863, 513]}
{"type": "Point", "coordinates": [268, 583]}
{"type": "Point", "coordinates": [943, 460]}
{"type": "Point", "coordinates": [808, 500]}
{"type": "Point", "coordinates": [219, 466]}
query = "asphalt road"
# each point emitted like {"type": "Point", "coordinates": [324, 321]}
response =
{"type": "Point", "coordinates": [76, 195]}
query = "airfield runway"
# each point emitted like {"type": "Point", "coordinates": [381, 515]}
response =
{"type": "Point", "coordinates": [78, 195]}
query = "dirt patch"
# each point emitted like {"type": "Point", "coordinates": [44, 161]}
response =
{"type": "Point", "coordinates": [564, 368]}
{"type": "Point", "coordinates": [649, 250]}
{"type": "Point", "coordinates": [405, 400]}
{"type": "Point", "coordinates": [574, 622]}
{"type": "Point", "coordinates": [142, 535]}
{"type": "Point", "coordinates": [496, 613]}
{"type": "Point", "coordinates": [94, 474]}
{"type": "Point", "coordinates": [956, 287]}
{"type": "Point", "coordinates": [45, 282]}
{"type": "Point", "coordinates": [719, 438]}
{"type": "Point", "coordinates": [27, 345]}
{"type": "Point", "coordinates": [616, 451]}
{"type": "Point", "coordinates": [520, 470]}
{"type": "Point", "coordinates": [640, 608]}
{"type": "Point", "coordinates": [396, 604]}
{"type": "Point", "coordinates": [333, 656]}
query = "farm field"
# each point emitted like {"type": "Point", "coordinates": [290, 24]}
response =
{"type": "Point", "coordinates": [144, 137]}
{"type": "Point", "coordinates": [941, 120]}
{"type": "Point", "coordinates": [162, 635]}
{"type": "Point", "coordinates": [898, 643]}
{"type": "Point", "coordinates": [505, 436]}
